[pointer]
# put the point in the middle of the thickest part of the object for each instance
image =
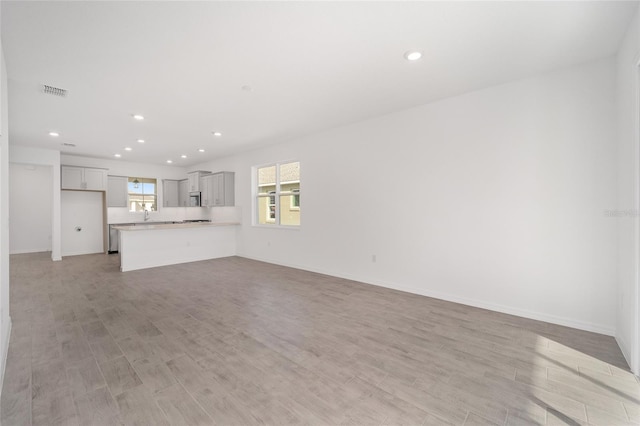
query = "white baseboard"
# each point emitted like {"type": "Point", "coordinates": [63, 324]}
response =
{"type": "Point", "coordinates": [534, 315]}
{"type": "Point", "coordinates": [77, 253]}
{"type": "Point", "coordinates": [5, 353]}
{"type": "Point", "coordinates": [25, 251]}
{"type": "Point", "coordinates": [524, 313]}
{"type": "Point", "coordinates": [624, 347]}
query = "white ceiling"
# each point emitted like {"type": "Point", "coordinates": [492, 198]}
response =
{"type": "Point", "coordinates": [312, 66]}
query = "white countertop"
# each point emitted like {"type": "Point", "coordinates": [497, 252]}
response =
{"type": "Point", "coordinates": [151, 226]}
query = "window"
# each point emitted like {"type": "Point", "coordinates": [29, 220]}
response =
{"type": "Point", "coordinates": [295, 199]}
{"type": "Point", "coordinates": [272, 206]}
{"type": "Point", "coordinates": [277, 196]}
{"type": "Point", "coordinates": [143, 194]}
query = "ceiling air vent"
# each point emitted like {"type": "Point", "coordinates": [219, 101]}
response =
{"type": "Point", "coordinates": [55, 91]}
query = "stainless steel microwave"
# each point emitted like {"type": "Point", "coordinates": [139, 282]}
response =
{"type": "Point", "coordinates": [194, 199]}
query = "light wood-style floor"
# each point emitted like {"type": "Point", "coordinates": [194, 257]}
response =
{"type": "Point", "coordinates": [238, 342]}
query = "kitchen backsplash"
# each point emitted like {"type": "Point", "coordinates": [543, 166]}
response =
{"type": "Point", "coordinates": [166, 214]}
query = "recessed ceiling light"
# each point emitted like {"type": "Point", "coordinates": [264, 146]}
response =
{"type": "Point", "coordinates": [183, 156]}
{"type": "Point", "coordinates": [117, 155]}
{"type": "Point", "coordinates": [54, 134]}
{"type": "Point", "coordinates": [140, 140]}
{"type": "Point", "coordinates": [128, 148]}
{"type": "Point", "coordinates": [217, 134]}
{"type": "Point", "coordinates": [201, 150]}
{"type": "Point", "coordinates": [412, 55]}
{"type": "Point", "coordinates": [169, 161]}
{"type": "Point", "coordinates": [138, 117]}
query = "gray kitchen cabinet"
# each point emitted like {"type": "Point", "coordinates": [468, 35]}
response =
{"type": "Point", "coordinates": [195, 178]}
{"type": "Point", "coordinates": [170, 193]}
{"type": "Point", "coordinates": [194, 181]}
{"type": "Point", "coordinates": [72, 177]}
{"type": "Point", "coordinates": [117, 191]}
{"type": "Point", "coordinates": [221, 189]}
{"type": "Point", "coordinates": [217, 189]}
{"type": "Point", "coordinates": [95, 179]}
{"type": "Point", "coordinates": [183, 193]}
{"type": "Point", "coordinates": [205, 195]}
{"type": "Point", "coordinates": [83, 178]}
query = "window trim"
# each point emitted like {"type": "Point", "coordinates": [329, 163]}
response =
{"type": "Point", "coordinates": [255, 208]}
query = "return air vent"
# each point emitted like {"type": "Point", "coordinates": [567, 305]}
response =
{"type": "Point", "coordinates": [55, 91]}
{"type": "Point", "coordinates": [72, 145]}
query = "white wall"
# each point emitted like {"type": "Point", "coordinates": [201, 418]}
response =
{"type": "Point", "coordinates": [126, 168]}
{"type": "Point", "coordinates": [30, 208]}
{"type": "Point", "coordinates": [51, 159]}
{"type": "Point", "coordinates": [628, 89]}
{"type": "Point", "coordinates": [495, 198]}
{"type": "Point", "coordinates": [5, 319]}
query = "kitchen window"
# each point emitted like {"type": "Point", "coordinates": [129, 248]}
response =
{"type": "Point", "coordinates": [143, 194]}
{"type": "Point", "coordinates": [277, 194]}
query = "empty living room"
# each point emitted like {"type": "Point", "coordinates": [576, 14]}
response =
{"type": "Point", "coordinates": [327, 213]}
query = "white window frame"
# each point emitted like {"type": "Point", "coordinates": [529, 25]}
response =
{"type": "Point", "coordinates": [255, 210]}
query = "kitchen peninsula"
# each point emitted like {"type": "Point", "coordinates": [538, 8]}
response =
{"type": "Point", "coordinates": [151, 245]}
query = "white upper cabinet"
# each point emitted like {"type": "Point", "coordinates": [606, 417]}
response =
{"type": "Point", "coordinates": [117, 193]}
{"type": "Point", "coordinates": [195, 180]}
{"type": "Point", "coordinates": [83, 178]}
{"type": "Point", "coordinates": [224, 189]}
{"type": "Point", "coordinates": [218, 189]}
{"type": "Point", "coordinates": [72, 177]}
{"type": "Point", "coordinates": [95, 179]}
{"type": "Point", "coordinates": [183, 193]}
{"type": "Point", "coordinates": [170, 193]}
{"type": "Point", "coordinates": [205, 195]}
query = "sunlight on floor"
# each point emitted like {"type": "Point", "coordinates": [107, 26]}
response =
{"type": "Point", "coordinates": [575, 387]}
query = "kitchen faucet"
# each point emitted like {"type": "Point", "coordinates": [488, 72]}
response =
{"type": "Point", "coordinates": [146, 215]}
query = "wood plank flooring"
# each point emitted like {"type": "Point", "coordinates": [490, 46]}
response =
{"type": "Point", "coordinates": [237, 342]}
